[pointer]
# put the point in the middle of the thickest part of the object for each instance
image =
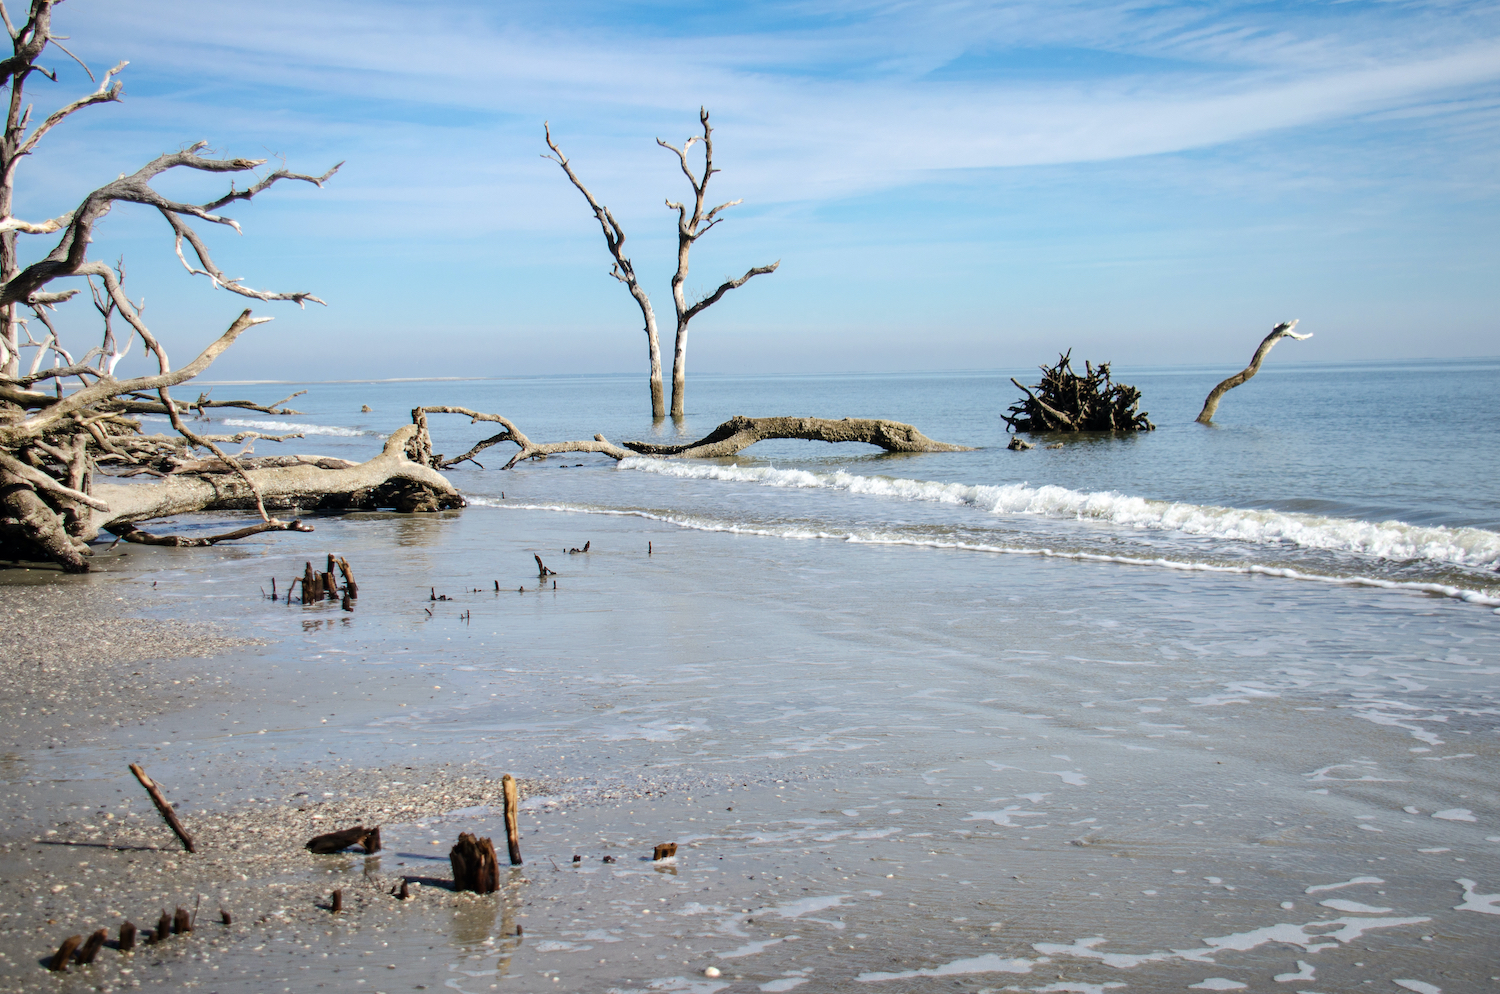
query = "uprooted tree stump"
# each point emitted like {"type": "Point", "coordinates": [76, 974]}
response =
{"type": "Point", "coordinates": [1066, 401]}
{"type": "Point", "coordinates": [475, 867]}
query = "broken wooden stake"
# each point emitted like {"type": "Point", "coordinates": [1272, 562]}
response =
{"type": "Point", "coordinates": [512, 817]}
{"type": "Point", "coordinates": [541, 567]}
{"type": "Point", "coordinates": [366, 838]}
{"type": "Point", "coordinates": [163, 807]}
{"type": "Point", "coordinates": [92, 946]}
{"type": "Point", "coordinates": [351, 589]}
{"type": "Point", "coordinates": [311, 589]}
{"type": "Point", "coordinates": [182, 922]}
{"type": "Point", "coordinates": [336, 902]}
{"type": "Point", "coordinates": [347, 604]}
{"type": "Point", "coordinates": [127, 936]}
{"type": "Point", "coordinates": [664, 851]}
{"type": "Point", "coordinates": [59, 963]}
{"type": "Point", "coordinates": [401, 893]}
{"type": "Point", "coordinates": [225, 918]}
{"type": "Point", "coordinates": [475, 867]}
{"type": "Point", "coordinates": [163, 927]}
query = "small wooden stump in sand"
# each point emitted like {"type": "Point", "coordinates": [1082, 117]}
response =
{"type": "Point", "coordinates": [127, 936]}
{"type": "Point", "coordinates": [163, 926]}
{"type": "Point", "coordinates": [512, 817]}
{"type": "Point", "coordinates": [664, 851]}
{"type": "Point", "coordinates": [475, 866]}
{"type": "Point", "coordinates": [64, 953]}
{"type": "Point", "coordinates": [92, 946]}
{"type": "Point", "coordinates": [182, 922]}
{"type": "Point", "coordinates": [336, 902]}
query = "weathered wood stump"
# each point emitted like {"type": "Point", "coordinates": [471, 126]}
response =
{"type": "Point", "coordinates": [512, 817]}
{"type": "Point", "coordinates": [367, 839]}
{"type": "Point", "coordinates": [475, 866]}
{"type": "Point", "coordinates": [59, 961]}
{"type": "Point", "coordinates": [127, 936]}
{"type": "Point", "coordinates": [92, 946]}
{"type": "Point", "coordinates": [664, 851]}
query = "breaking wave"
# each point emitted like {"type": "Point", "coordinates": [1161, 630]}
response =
{"type": "Point", "coordinates": [1390, 540]}
{"type": "Point", "coordinates": [877, 537]}
{"type": "Point", "coordinates": [284, 427]}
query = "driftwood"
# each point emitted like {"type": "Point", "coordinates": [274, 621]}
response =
{"type": "Point", "coordinates": [127, 936]}
{"type": "Point", "coordinates": [162, 807]}
{"type": "Point", "coordinates": [1065, 401]}
{"type": "Point", "coordinates": [739, 432]}
{"type": "Point", "coordinates": [664, 850]}
{"type": "Point", "coordinates": [367, 839]}
{"type": "Point", "coordinates": [1211, 402]}
{"type": "Point", "coordinates": [730, 437]}
{"type": "Point", "coordinates": [475, 867]}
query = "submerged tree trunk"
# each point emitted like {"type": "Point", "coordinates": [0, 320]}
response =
{"type": "Point", "coordinates": [740, 432]}
{"type": "Point", "coordinates": [1211, 402]}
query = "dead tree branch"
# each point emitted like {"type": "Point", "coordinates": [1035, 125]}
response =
{"type": "Point", "coordinates": [1211, 402]}
{"type": "Point", "coordinates": [421, 447]}
{"type": "Point", "coordinates": [623, 270]}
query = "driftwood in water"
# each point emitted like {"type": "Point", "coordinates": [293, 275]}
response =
{"type": "Point", "coordinates": [664, 850]}
{"type": "Point", "coordinates": [367, 839]}
{"type": "Point", "coordinates": [740, 432]}
{"type": "Point", "coordinates": [1066, 401]}
{"type": "Point", "coordinates": [730, 437]}
{"type": "Point", "coordinates": [512, 817]}
{"type": "Point", "coordinates": [475, 867]}
{"type": "Point", "coordinates": [1211, 402]}
{"type": "Point", "coordinates": [165, 809]}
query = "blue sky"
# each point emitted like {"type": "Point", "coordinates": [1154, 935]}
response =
{"type": "Point", "coordinates": [948, 185]}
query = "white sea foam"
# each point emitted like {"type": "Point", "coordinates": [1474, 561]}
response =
{"type": "Point", "coordinates": [988, 963]}
{"type": "Point", "coordinates": [284, 427]}
{"type": "Point", "coordinates": [1485, 597]}
{"type": "Point", "coordinates": [1384, 539]}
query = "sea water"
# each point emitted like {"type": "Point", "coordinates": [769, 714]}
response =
{"type": "Point", "coordinates": [1205, 707]}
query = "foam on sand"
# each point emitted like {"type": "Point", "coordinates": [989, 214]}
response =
{"type": "Point", "coordinates": [1485, 904]}
{"type": "Point", "coordinates": [988, 963]}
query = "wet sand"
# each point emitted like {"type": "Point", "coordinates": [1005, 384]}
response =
{"type": "Point", "coordinates": [943, 793]}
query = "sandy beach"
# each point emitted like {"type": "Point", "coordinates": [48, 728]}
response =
{"type": "Point", "coordinates": [997, 793]}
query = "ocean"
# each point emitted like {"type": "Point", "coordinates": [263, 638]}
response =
{"type": "Point", "coordinates": [1200, 708]}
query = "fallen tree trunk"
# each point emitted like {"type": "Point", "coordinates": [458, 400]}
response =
{"type": "Point", "coordinates": [390, 480]}
{"type": "Point", "coordinates": [740, 432]}
{"type": "Point", "coordinates": [1211, 402]}
{"type": "Point", "coordinates": [420, 447]}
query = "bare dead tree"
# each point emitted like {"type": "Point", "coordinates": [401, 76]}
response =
{"type": "Point", "coordinates": [55, 442]}
{"type": "Point", "coordinates": [622, 270]}
{"type": "Point", "coordinates": [690, 228]}
{"type": "Point", "coordinates": [1211, 402]}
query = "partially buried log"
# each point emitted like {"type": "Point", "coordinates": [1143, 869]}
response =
{"type": "Point", "coordinates": [165, 809]}
{"type": "Point", "coordinates": [1211, 402]}
{"type": "Point", "coordinates": [1066, 401]}
{"type": "Point", "coordinates": [475, 867]}
{"type": "Point", "coordinates": [367, 839]}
